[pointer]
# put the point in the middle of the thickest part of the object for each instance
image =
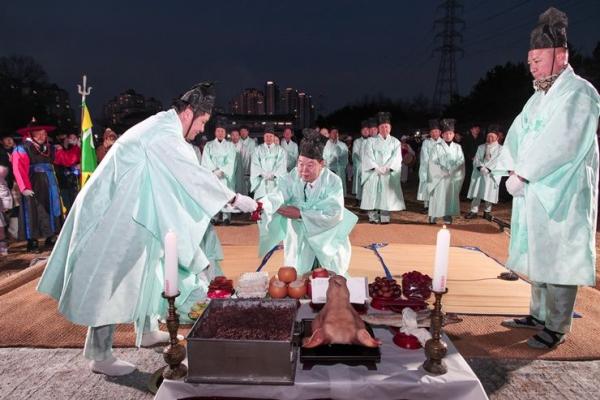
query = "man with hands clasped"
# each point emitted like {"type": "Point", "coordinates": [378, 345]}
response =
{"type": "Point", "coordinates": [551, 155]}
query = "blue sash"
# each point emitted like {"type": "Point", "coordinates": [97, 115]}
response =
{"type": "Point", "coordinates": [46, 168]}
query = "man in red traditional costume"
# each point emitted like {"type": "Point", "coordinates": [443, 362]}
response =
{"type": "Point", "coordinates": [41, 212]}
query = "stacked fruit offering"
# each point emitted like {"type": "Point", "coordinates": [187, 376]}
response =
{"type": "Point", "coordinates": [386, 293]}
{"type": "Point", "coordinates": [384, 288]}
{"type": "Point", "coordinates": [286, 283]}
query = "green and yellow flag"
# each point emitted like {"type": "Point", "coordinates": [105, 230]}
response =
{"type": "Point", "coordinates": [88, 153]}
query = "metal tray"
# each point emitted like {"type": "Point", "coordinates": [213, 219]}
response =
{"type": "Point", "coordinates": [337, 353]}
{"type": "Point", "coordinates": [254, 362]}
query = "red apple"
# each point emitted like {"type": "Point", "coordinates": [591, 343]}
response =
{"type": "Point", "coordinates": [320, 273]}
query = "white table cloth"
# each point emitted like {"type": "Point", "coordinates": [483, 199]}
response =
{"type": "Point", "coordinates": [399, 375]}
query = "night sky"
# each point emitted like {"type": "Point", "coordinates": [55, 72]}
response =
{"type": "Point", "coordinates": [338, 51]}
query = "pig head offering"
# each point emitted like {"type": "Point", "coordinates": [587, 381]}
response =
{"type": "Point", "coordinates": [338, 322]}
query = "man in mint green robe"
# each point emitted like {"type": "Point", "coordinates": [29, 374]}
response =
{"type": "Point", "coordinates": [220, 157]}
{"type": "Point", "coordinates": [269, 165]}
{"type": "Point", "coordinates": [335, 156]}
{"type": "Point", "coordinates": [445, 175]}
{"type": "Point", "coordinates": [434, 135]}
{"type": "Point", "coordinates": [484, 184]}
{"type": "Point", "coordinates": [246, 147]}
{"type": "Point", "coordinates": [357, 148]}
{"type": "Point", "coordinates": [290, 147]}
{"type": "Point", "coordinates": [107, 266]}
{"type": "Point", "coordinates": [381, 167]}
{"type": "Point", "coordinates": [307, 212]}
{"type": "Point", "coordinates": [551, 155]}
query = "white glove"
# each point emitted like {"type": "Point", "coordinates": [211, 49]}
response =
{"type": "Point", "coordinates": [219, 174]}
{"type": "Point", "coordinates": [381, 170]}
{"type": "Point", "coordinates": [515, 186]}
{"type": "Point", "coordinates": [244, 203]}
{"type": "Point", "coordinates": [484, 171]}
{"type": "Point", "coordinates": [28, 193]}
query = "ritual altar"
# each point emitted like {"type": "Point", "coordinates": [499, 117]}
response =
{"type": "Point", "coordinates": [399, 375]}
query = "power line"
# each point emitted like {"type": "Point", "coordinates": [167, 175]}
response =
{"type": "Point", "coordinates": [500, 13]}
{"type": "Point", "coordinates": [476, 7]}
{"type": "Point", "coordinates": [513, 28]}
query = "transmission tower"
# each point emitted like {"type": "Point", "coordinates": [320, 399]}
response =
{"type": "Point", "coordinates": [450, 35]}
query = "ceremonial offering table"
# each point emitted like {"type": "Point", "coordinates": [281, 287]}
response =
{"type": "Point", "coordinates": [399, 375]}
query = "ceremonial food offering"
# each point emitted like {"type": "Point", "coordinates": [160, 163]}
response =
{"type": "Point", "coordinates": [287, 274]}
{"type": "Point", "coordinates": [245, 341]}
{"type": "Point", "coordinates": [416, 286]}
{"type": "Point", "coordinates": [220, 288]}
{"type": "Point", "coordinates": [277, 289]}
{"type": "Point", "coordinates": [252, 285]}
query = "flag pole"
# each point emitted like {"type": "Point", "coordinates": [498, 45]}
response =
{"type": "Point", "coordinates": [84, 91]}
{"type": "Point", "coordinates": [88, 154]}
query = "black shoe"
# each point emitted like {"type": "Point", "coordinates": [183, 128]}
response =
{"type": "Point", "coordinates": [470, 215]}
{"type": "Point", "coordinates": [431, 221]}
{"type": "Point", "coordinates": [227, 222]}
{"type": "Point", "coordinates": [384, 223]}
{"type": "Point", "coordinates": [32, 246]}
{"type": "Point", "coordinates": [425, 210]}
{"type": "Point", "coordinates": [448, 220]}
{"type": "Point", "coordinates": [487, 216]}
{"type": "Point", "coordinates": [508, 276]}
{"type": "Point", "coordinates": [50, 241]}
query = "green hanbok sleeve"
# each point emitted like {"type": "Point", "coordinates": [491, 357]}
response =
{"type": "Point", "coordinates": [229, 164]}
{"type": "Point", "coordinates": [509, 154]}
{"type": "Point", "coordinates": [343, 156]}
{"type": "Point", "coordinates": [292, 155]}
{"type": "Point", "coordinates": [272, 226]}
{"type": "Point", "coordinates": [356, 150]}
{"type": "Point", "coordinates": [256, 170]}
{"type": "Point", "coordinates": [551, 163]}
{"type": "Point", "coordinates": [281, 163]}
{"type": "Point", "coordinates": [424, 161]}
{"type": "Point", "coordinates": [368, 162]}
{"type": "Point", "coordinates": [435, 169]}
{"type": "Point", "coordinates": [180, 195]}
{"type": "Point", "coordinates": [479, 156]}
{"type": "Point", "coordinates": [328, 224]}
{"type": "Point", "coordinates": [207, 158]}
{"type": "Point", "coordinates": [394, 163]}
{"type": "Point", "coordinates": [457, 169]}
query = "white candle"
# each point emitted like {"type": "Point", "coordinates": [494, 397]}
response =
{"type": "Point", "coordinates": [171, 265]}
{"type": "Point", "coordinates": [440, 266]}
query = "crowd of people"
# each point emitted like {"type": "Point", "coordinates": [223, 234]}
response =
{"type": "Point", "coordinates": [40, 176]}
{"type": "Point", "coordinates": [372, 167]}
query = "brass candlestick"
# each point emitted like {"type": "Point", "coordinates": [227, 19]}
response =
{"type": "Point", "coordinates": [435, 348]}
{"type": "Point", "coordinates": [174, 353]}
